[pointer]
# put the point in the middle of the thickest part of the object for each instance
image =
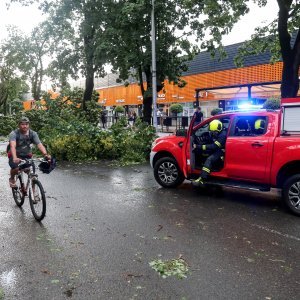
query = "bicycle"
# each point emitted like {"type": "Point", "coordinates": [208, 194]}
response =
{"type": "Point", "coordinates": [33, 189]}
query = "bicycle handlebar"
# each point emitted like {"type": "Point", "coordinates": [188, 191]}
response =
{"type": "Point", "coordinates": [30, 161]}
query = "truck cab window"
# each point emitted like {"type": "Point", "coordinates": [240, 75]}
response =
{"type": "Point", "coordinates": [249, 126]}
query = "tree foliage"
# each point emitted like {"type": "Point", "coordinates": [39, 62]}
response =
{"type": "Point", "coordinates": [176, 108]}
{"type": "Point", "coordinates": [281, 38]}
{"type": "Point", "coordinates": [82, 26]}
{"type": "Point", "coordinates": [119, 109]}
{"type": "Point", "coordinates": [12, 86]}
{"type": "Point", "coordinates": [70, 135]}
{"type": "Point", "coordinates": [216, 111]}
{"type": "Point", "coordinates": [94, 32]}
{"type": "Point", "coordinates": [78, 28]}
{"type": "Point", "coordinates": [130, 38]}
{"type": "Point", "coordinates": [27, 54]}
{"type": "Point", "coordinates": [272, 103]}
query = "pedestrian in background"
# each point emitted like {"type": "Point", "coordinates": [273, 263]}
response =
{"type": "Point", "coordinates": [134, 117]}
{"type": "Point", "coordinates": [130, 119]}
{"type": "Point", "coordinates": [198, 116]}
{"type": "Point", "coordinates": [103, 119]}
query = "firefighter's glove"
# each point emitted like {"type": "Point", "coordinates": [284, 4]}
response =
{"type": "Point", "coordinates": [199, 147]}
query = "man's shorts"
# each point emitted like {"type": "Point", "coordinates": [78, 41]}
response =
{"type": "Point", "coordinates": [14, 165]}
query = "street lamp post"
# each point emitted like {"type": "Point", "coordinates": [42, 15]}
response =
{"type": "Point", "coordinates": [154, 89]}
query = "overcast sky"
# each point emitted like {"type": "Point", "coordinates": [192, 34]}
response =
{"type": "Point", "coordinates": [28, 17]}
{"type": "Point", "coordinates": [23, 17]}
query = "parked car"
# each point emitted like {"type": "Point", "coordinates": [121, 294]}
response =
{"type": "Point", "coordinates": [253, 160]}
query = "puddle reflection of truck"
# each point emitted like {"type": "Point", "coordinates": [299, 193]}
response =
{"type": "Point", "coordinates": [253, 160]}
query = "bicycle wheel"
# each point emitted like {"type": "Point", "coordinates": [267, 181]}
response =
{"type": "Point", "coordinates": [17, 193]}
{"type": "Point", "coordinates": [37, 200]}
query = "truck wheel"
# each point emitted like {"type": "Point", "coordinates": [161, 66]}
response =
{"type": "Point", "coordinates": [167, 173]}
{"type": "Point", "coordinates": [291, 194]}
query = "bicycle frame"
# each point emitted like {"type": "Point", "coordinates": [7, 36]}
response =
{"type": "Point", "coordinates": [31, 188]}
{"type": "Point", "coordinates": [31, 175]}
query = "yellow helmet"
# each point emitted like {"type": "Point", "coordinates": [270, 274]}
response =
{"type": "Point", "coordinates": [259, 124]}
{"type": "Point", "coordinates": [215, 125]}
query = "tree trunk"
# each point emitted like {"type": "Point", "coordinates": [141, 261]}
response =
{"type": "Point", "coordinates": [147, 111]}
{"type": "Point", "coordinates": [147, 102]}
{"type": "Point", "coordinates": [290, 81]}
{"type": "Point", "coordinates": [290, 71]}
{"type": "Point", "coordinates": [88, 40]}
{"type": "Point", "coordinates": [34, 86]}
{"type": "Point", "coordinates": [148, 99]}
{"type": "Point", "coordinates": [3, 101]}
{"type": "Point", "coordinates": [290, 54]}
{"type": "Point", "coordinates": [40, 80]}
{"type": "Point", "coordinates": [89, 87]}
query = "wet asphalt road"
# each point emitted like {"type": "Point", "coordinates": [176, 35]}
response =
{"type": "Point", "coordinates": [105, 224]}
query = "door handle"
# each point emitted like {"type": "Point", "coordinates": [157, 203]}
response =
{"type": "Point", "coordinates": [257, 144]}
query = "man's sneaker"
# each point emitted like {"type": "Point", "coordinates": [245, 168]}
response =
{"type": "Point", "coordinates": [12, 183]}
{"type": "Point", "coordinates": [198, 182]}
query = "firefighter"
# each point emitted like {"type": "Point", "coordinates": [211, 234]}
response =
{"type": "Point", "coordinates": [259, 126]}
{"type": "Point", "coordinates": [215, 150]}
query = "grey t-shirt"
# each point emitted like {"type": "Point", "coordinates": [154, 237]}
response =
{"type": "Point", "coordinates": [24, 142]}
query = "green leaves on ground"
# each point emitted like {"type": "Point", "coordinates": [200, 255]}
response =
{"type": "Point", "coordinates": [174, 267]}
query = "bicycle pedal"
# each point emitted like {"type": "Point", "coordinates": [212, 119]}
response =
{"type": "Point", "coordinates": [36, 199]}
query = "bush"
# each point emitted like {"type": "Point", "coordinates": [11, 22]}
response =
{"type": "Point", "coordinates": [38, 118]}
{"type": "Point", "coordinates": [72, 139]}
{"type": "Point", "coordinates": [120, 122]}
{"type": "Point", "coordinates": [69, 134]}
{"type": "Point", "coordinates": [216, 111]}
{"type": "Point", "coordinates": [72, 148]}
{"type": "Point", "coordinates": [176, 108]}
{"type": "Point", "coordinates": [119, 109]}
{"type": "Point", "coordinates": [8, 124]}
{"type": "Point", "coordinates": [272, 103]}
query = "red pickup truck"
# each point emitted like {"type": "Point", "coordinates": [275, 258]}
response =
{"type": "Point", "coordinates": [256, 160]}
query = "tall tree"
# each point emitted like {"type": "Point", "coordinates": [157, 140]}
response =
{"type": "Point", "coordinates": [128, 31]}
{"type": "Point", "coordinates": [281, 37]}
{"type": "Point", "coordinates": [27, 53]}
{"type": "Point", "coordinates": [130, 38]}
{"type": "Point", "coordinates": [82, 25]}
{"type": "Point", "coordinates": [12, 86]}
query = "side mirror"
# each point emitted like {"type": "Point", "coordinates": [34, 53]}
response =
{"type": "Point", "coordinates": [181, 132]}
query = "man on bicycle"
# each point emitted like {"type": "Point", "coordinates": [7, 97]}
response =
{"type": "Point", "coordinates": [19, 148]}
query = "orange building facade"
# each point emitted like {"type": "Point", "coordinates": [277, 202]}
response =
{"type": "Point", "coordinates": [215, 82]}
{"type": "Point", "coordinates": [131, 95]}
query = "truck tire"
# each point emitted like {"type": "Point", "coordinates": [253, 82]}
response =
{"type": "Point", "coordinates": [167, 173]}
{"type": "Point", "coordinates": [291, 194]}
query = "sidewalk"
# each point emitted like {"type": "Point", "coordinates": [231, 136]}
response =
{"type": "Point", "coordinates": [161, 134]}
{"type": "Point", "coordinates": [171, 131]}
